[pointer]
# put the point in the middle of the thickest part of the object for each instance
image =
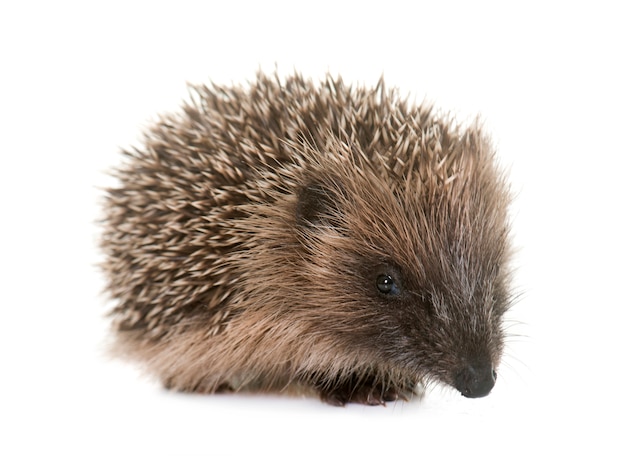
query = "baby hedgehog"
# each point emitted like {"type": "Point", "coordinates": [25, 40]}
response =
{"type": "Point", "coordinates": [332, 239]}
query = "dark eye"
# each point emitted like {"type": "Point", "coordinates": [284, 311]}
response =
{"type": "Point", "coordinates": [386, 285]}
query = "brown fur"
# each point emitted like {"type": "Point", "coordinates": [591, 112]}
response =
{"type": "Point", "coordinates": [246, 238]}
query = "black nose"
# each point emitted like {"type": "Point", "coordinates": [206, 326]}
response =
{"type": "Point", "coordinates": [476, 380]}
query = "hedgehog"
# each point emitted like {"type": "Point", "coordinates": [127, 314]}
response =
{"type": "Point", "coordinates": [320, 236]}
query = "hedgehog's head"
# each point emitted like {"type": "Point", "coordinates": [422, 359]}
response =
{"type": "Point", "coordinates": [405, 260]}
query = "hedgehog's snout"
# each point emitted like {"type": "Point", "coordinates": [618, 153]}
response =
{"type": "Point", "coordinates": [475, 380]}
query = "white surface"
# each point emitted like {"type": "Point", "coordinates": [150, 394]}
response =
{"type": "Point", "coordinates": [80, 81]}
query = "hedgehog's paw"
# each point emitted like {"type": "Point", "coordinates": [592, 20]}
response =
{"type": "Point", "coordinates": [362, 392]}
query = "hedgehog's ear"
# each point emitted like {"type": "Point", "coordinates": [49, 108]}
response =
{"type": "Point", "coordinates": [318, 206]}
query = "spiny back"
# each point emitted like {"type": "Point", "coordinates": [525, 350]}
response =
{"type": "Point", "coordinates": [171, 226]}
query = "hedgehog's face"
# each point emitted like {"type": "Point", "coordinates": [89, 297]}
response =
{"type": "Point", "coordinates": [422, 291]}
{"type": "Point", "coordinates": [448, 329]}
{"type": "Point", "coordinates": [441, 329]}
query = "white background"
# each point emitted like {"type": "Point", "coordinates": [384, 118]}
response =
{"type": "Point", "coordinates": [78, 81]}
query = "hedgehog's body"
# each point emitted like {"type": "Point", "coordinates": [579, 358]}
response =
{"type": "Point", "coordinates": [289, 233]}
